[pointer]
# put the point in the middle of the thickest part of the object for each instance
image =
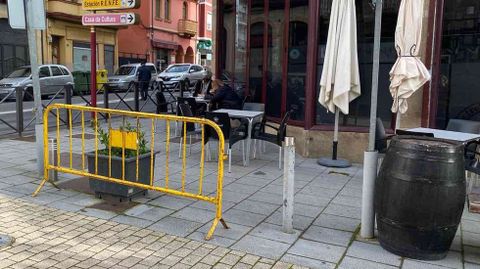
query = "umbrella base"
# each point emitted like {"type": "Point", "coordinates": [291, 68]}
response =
{"type": "Point", "coordinates": [5, 241]}
{"type": "Point", "coordinates": [329, 162]}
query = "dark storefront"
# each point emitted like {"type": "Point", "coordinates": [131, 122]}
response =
{"type": "Point", "coordinates": [276, 49]}
{"type": "Point", "coordinates": [13, 48]}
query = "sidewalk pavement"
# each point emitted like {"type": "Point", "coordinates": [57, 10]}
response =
{"type": "Point", "coordinates": [68, 225]}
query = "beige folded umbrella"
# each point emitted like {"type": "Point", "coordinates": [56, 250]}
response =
{"type": "Point", "coordinates": [340, 81]}
{"type": "Point", "coordinates": [409, 73]}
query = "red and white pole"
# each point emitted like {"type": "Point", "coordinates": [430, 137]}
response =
{"type": "Point", "coordinates": [93, 67]}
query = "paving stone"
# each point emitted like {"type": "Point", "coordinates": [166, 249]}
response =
{"type": "Point", "coordinates": [311, 200]}
{"type": "Point", "coordinates": [194, 214]}
{"type": "Point", "coordinates": [329, 236]}
{"type": "Point", "coordinates": [299, 222]}
{"type": "Point", "coordinates": [179, 227]}
{"type": "Point", "coordinates": [471, 266]}
{"type": "Point", "coordinates": [257, 207]}
{"type": "Point", "coordinates": [243, 218]}
{"type": "Point", "coordinates": [343, 211]}
{"type": "Point", "coordinates": [155, 213]}
{"type": "Point", "coordinates": [315, 250]}
{"type": "Point", "coordinates": [354, 263]}
{"type": "Point", "coordinates": [98, 213]}
{"type": "Point", "coordinates": [372, 252]}
{"type": "Point", "coordinates": [261, 246]}
{"type": "Point", "coordinates": [137, 222]}
{"type": "Point", "coordinates": [337, 222]}
{"type": "Point", "coordinates": [234, 231]}
{"type": "Point", "coordinates": [413, 264]}
{"type": "Point", "coordinates": [274, 232]}
{"type": "Point", "coordinates": [471, 254]}
{"type": "Point", "coordinates": [171, 202]}
{"type": "Point", "coordinates": [308, 262]}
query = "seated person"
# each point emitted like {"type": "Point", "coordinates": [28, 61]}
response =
{"type": "Point", "coordinates": [224, 96]}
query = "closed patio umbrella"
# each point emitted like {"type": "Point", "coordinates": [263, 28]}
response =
{"type": "Point", "coordinates": [340, 81]}
{"type": "Point", "coordinates": [408, 73]}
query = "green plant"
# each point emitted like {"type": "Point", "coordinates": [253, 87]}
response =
{"type": "Point", "coordinates": [104, 139]}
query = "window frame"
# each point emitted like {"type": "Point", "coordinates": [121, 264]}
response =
{"type": "Point", "coordinates": [40, 72]}
{"type": "Point", "coordinates": [158, 9]}
{"type": "Point", "coordinates": [167, 10]}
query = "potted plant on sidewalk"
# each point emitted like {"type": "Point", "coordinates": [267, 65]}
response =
{"type": "Point", "coordinates": [113, 142]}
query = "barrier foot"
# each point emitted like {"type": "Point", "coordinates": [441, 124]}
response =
{"type": "Point", "coordinates": [39, 187]}
{"type": "Point", "coordinates": [214, 226]}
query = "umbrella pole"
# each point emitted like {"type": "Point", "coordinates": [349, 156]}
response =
{"type": "Point", "coordinates": [334, 161]}
{"type": "Point", "coordinates": [370, 161]}
{"type": "Point", "coordinates": [335, 135]}
{"type": "Point", "coordinates": [397, 120]}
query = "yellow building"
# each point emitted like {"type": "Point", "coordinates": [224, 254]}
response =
{"type": "Point", "coordinates": [67, 42]}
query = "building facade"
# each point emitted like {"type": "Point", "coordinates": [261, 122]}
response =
{"type": "Point", "coordinates": [67, 42]}
{"type": "Point", "coordinates": [276, 49]}
{"type": "Point", "coordinates": [165, 35]}
{"type": "Point", "coordinates": [205, 33]}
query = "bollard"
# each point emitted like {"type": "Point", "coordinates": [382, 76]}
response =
{"type": "Point", "coordinates": [288, 184]}
{"type": "Point", "coordinates": [53, 159]}
{"type": "Point", "coordinates": [68, 100]}
{"type": "Point", "coordinates": [105, 96]}
{"type": "Point", "coordinates": [136, 97]}
{"type": "Point", "coordinates": [19, 109]}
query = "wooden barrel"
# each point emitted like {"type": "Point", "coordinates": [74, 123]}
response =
{"type": "Point", "coordinates": [419, 196]}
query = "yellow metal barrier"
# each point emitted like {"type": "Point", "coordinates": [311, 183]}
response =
{"type": "Point", "coordinates": [120, 143]}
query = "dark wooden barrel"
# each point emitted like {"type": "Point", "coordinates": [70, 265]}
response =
{"type": "Point", "coordinates": [419, 196]}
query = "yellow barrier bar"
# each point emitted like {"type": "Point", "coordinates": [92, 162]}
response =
{"type": "Point", "coordinates": [59, 160]}
{"type": "Point", "coordinates": [152, 147]}
{"type": "Point", "coordinates": [123, 150]}
{"type": "Point", "coordinates": [109, 119]}
{"type": "Point", "coordinates": [138, 148]}
{"type": "Point", "coordinates": [216, 200]}
{"type": "Point", "coordinates": [70, 136]}
{"type": "Point", "coordinates": [167, 152]}
{"type": "Point", "coordinates": [184, 159]}
{"type": "Point", "coordinates": [95, 120]}
{"type": "Point", "coordinates": [202, 162]}
{"type": "Point", "coordinates": [83, 138]}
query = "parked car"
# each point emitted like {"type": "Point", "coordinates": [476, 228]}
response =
{"type": "Point", "coordinates": [190, 73]}
{"type": "Point", "coordinates": [53, 78]}
{"type": "Point", "coordinates": [126, 76]}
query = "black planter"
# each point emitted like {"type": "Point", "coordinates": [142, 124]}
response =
{"type": "Point", "coordinates": [103, 187]}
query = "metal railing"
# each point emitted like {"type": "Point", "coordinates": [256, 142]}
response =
{"type": "Point", "coordinates": [127, 99]}
{"type": "Point", "coordinates": [126, 143]}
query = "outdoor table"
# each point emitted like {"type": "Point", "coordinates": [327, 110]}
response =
{"type": "Point", "coordinates": [448, 135]}
{"type": "Point", "coordinates": [248, 115]}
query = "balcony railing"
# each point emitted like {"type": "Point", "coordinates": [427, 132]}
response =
{"type": "Point", "coordinates": [187, 28]}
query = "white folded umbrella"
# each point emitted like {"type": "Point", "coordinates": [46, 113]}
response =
{"type": "Point", "coordinates": [409, 73]}
{"type": "Point", "coordinates": [340, 81]}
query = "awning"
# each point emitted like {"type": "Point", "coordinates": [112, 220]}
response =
{"type": "Point", "coordinates": [156, 43]}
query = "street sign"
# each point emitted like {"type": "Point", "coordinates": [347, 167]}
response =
{"type": "Point", "coordinates": [109, 19]}
{"type": "Point", "coordinates": [109, 4]}
{"type": "Point", "coordinates": [16, 14]}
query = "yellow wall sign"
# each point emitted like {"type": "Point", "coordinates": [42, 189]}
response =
{"type": "Point", "coordinates": [109, 4]}
{"type": "Point", "coordinates": [120, 139]}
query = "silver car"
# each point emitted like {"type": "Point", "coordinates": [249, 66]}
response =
{"type": "Point", "coordinates": [125, 77]}
{"type": "Point", "coordinates": [53, 78]}
{"type": "Point", "coordinates": [190, 73]}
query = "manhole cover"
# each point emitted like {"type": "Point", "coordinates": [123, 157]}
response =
{"type": "Point", "coordinates": [5, 240]}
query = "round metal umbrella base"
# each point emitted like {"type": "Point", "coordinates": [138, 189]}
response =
{"type": "Point", "coordinates": [338, 163]}
{"type": "Point", "coordinates": [5, 240]}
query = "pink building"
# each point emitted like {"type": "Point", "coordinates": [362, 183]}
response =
{"type": "Point", "coordinates": [205, 31]}
{"type": "Point", "coordinates": [165, 35]}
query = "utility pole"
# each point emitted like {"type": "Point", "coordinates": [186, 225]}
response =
{"type": "Point", "coordinates": [38, 108]}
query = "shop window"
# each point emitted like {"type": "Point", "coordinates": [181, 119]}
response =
{"type": "Point", "coordinates": [458, 80]}
{"type": "Point", "coordinates": [360, 108]}
{"type": "Point", "coordinates": [81, 56]}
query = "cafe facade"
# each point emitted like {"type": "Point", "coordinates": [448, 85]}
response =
{"type": "Point", "coordinates": [275, 49]}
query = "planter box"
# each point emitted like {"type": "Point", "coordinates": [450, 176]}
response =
{"type": "Point", "coordinates": [102, 187]}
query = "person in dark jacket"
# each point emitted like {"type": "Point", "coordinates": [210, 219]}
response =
{"type": "Point", "coordinates": [225, 96]}
{"type": "Point", "coordinates": [144, 76]}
